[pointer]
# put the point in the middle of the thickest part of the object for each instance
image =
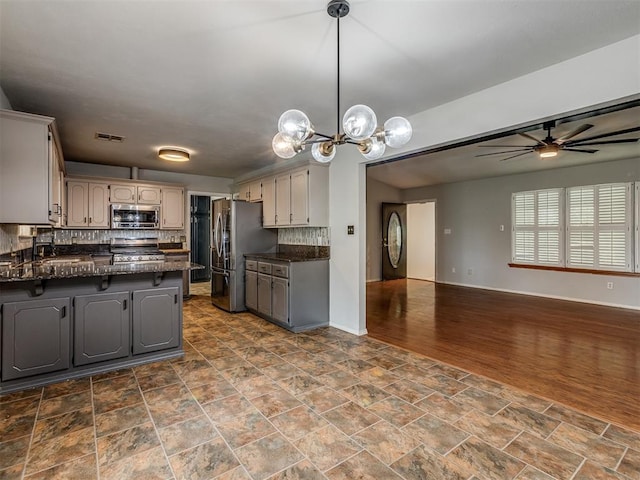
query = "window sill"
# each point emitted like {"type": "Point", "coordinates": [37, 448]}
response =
{"type": "Point", "coordinates": [574, 270]}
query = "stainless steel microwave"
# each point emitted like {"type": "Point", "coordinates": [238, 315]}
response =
{"type": "Point", "coordinates": [136, 217]}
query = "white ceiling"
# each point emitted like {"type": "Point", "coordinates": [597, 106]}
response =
{"type": "Point", "coordinates": [214, 76]}
{"type": "Point", "coordinates": [461, 162]}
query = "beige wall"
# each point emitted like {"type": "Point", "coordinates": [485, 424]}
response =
{"type": "Point", "coordinates": [421, 241]}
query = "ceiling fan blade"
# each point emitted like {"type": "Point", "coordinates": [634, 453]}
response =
{"type": "Point", "coordinates": [606, 142]}
{"type": "Point", "coordinates": [603, 135]}
{"type": "Point", "coordinates": [577, 131]}
{"type": "Point", "coordinates": [581, 150]}
{"type": "Point", "coordinates": [503, 146]}
{"type": "Point", "coordinates": [507, 151]}
{"type": "Point", "coordinates": [514, 156]}
{"type": "Point", "coordinates": [526, 135]}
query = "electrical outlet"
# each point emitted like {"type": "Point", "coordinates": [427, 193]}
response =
{"type": "Point", "coordinates": [609, 285]}
{"type": "Point", "coordinates": [453, 270]}
{"type": "Point", "coordinates": [502, 228]}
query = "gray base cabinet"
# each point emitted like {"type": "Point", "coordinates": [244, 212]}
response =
{"type": "Point", "coordinates": [156, 319]}
{"type": "Point", "coordinates": [294, 295]}
{"type": "Point", "coordinates": [264, 294]}
{"type": "Point", "coordinates": [101, 327]}
{"type": "Point", "coordinates": [35, 337]}
{"type": "Point", "coordinates": [251, 290]}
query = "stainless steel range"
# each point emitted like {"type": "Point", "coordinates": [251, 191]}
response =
{"type": "Point", "coordinates": [135, 250]}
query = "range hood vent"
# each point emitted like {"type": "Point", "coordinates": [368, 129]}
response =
{"type": "Point", "coordinates": [107, 137]}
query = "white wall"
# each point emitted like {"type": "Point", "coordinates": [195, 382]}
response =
{"type": "Point", "coordinates": [377, 193]}
{"type": "Point", "coordinates": [474, 211]}
{"type": "Point", "coordinates": [421, 241]}
{"type": "Point", "coordinates": [558, 89]}
{"type": "Point", "coordinates": [4, 101]}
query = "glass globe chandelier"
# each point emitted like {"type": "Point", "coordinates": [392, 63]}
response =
{"type": "Point", "coordinates": [359, 123]}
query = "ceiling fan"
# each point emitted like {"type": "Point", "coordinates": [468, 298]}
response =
{"type": "Point", "coordinates": [549, 147]}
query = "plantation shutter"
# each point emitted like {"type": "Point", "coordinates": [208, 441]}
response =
{"type": "Point", "coordinates": [599, 227]}
{"type": "Point", "coordinates": [536, 227]}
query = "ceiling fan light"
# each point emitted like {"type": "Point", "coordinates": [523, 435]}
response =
{"type": "Point", "coordinates": [372, 148]}
{"type": "Point", "coordinates": [359, 122]}
{"type": "Point", "coordinates": [548, 151]}
{"type": "Point", "coordinates": [397, 131]}
{"type": "Point", "coordinates": [295, 124]}
{"type": "Point", "coordinates": [323, 152]}
{"type": "Point", "coordinates": [173, 154]}
{"type": "Point", "coordinates": [284, 146]}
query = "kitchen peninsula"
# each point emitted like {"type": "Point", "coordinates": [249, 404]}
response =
{"type": "Point", "coordinates": [64, 319]}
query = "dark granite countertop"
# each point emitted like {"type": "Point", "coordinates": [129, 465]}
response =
{"type": "Point", "coordinates": [37, 271]}
{"type": "Point", "coordinates": [286, 256]}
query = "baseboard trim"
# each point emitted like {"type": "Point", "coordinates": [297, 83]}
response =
{"type": "Point", "coordinates": [555, 297]}
{"type": "Point", "coordinates": [349, 330]}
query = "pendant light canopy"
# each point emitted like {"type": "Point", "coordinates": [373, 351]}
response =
{"type": "Point", "coordinates": [359, 123]}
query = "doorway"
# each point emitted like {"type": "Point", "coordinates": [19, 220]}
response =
{"type": "Point", "coordinates": [200, 222]}
{"type": "Point", "coordinates": [421, 241]}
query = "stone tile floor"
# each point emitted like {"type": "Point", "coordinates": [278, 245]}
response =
{"type": "Point", "coordinates": [252, 401]}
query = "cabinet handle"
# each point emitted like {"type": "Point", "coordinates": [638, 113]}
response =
{"type": "Point", "coordinates": [276, 218]}
{"type": "Point", "coordinates": [84, 220]}
{"type": "Point", "coordinates": [291, 218]}
{"type": "Point", "coordinates": [63, 312]}
{"type": "Point", "coordinates": [90, 220]}
{"type": "Point", "coordinates": [175, 299]}
{"type": "Point", "coordinates": [124, 304]}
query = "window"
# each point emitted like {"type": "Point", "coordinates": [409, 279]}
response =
{"type": "Point", "coordinates": [599, 227]}
{"type": "Point", "coordinates": [595, 231]}
{"type": "Point", "coordinates": [537, 227]}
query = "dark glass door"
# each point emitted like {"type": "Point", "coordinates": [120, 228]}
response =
{"type": "Point", "coordinates": [394, 241]}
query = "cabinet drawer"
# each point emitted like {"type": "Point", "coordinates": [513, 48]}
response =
{"type": "Point", "coordinates": [280, 271]}
{"type": "Point", "coordinates": [251, 265]}
{"type": "Point", "coordinates": [264, 267]}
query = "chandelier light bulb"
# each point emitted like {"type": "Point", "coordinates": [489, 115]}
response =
{"type": "Point", "coordinates": [323, 152]}
{"type": "Point", "coordinates": [359, 122]}
{"type": "Point", "coordinates": [397, 131]}
{"type": "Point", "coordinates": [372, 148]}
{"type": "Point", "coordinates": [283, 146]}
{"type": "Point", "coordinates": [295, 124]}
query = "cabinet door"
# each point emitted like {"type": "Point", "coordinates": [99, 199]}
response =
{"type": "Point", "coordinates": [300, 198]}
{"type": "Point", "coordinates": [24, 167]}
{"type": "Point", "coordinates": [55, 192]}
{"type": "Point", "coordinates": [245, 192]}
{"type": "Point", "coordinates": [255, 191]}
{"type": "Point", "coordinates": [101, 327]}
{"type": "Point", "coordinates": [264, 294]}
{"type": "Point", "coordinates": [148, 195]}
{"type": "Point", "coordinates": [156, 319]}
{"type": "Point", "coordinates": [35, 337]}
{"type": "Point", "coordinates": [122, 193]}
{"type": "Point", "coordinates": [269, 202]}
{"type": "Point", "coordinates": [77, 204]}
{"type": "Point", "coordinates": [251, 290]}
{"type": "Point", "coordinates": [283, 200]}
{"type": "Point", "coordinates": [280, 299]}
{"type": "Point", "coordinates": [172, 208]}
{"type": "Point", "coordinates": [98, 205]}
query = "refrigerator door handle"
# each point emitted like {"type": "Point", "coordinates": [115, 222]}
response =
{"type": "Point", "coordinates": [217, 235]}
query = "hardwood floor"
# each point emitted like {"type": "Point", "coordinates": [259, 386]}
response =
{"type": "Point", "coordinates": [584, 356]}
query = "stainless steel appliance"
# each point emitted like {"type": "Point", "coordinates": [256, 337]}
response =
{"type": "Point", "coordinates": [135, 250]}
{"type": "Point", "coordinates": [237, 229]}
{"type": "Point", "coordinates": [135, 216]}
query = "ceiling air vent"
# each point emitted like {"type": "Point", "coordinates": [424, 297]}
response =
{"type": "Point", "coordinates": [107, 137]}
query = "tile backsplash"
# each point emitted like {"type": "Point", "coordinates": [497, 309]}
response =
{"type": "Point", "coordinates": [70, 237]}
{"type": "Point", "coordinates": [10, 241]}
{"type": "Point", "coordinates": [314, 236]}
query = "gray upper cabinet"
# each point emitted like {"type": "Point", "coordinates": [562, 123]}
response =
{"type": "Point", "coordinates": [35, 337]}
{"type": "Point", "coordinates": [156, 319]}
{"type": "Point", "coordinates": [101, 327]}
{"type": "Point", "coordinates": [30, 168]}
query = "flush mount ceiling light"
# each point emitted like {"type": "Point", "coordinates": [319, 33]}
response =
{"type": "Point", "coordinates": [173, 154]}
{"type": "Point", "coordinates": [359, 123]}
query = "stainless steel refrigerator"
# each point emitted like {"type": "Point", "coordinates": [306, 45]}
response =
{"type": "Point", "coordinates": [237, 229]}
